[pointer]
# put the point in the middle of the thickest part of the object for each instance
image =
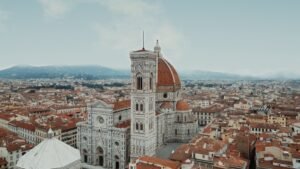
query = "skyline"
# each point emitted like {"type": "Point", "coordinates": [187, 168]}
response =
{"type": "Point", "coordinates": [248, 38]}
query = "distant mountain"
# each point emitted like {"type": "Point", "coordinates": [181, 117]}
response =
{"type": "Point", "coordinates": [208, 75]}
{"type": "Point", "coordinates": [99, 72]}
{"type": "Point", "coordinates": [78, 72]}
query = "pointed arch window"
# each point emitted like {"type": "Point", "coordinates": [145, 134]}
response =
{"type": "Point", "coordinates": [141, 107]}
{"type": "Point", "coordinates": [151, 81]}
{"type": "Point", "coordinates": [142, 126]}
{"type": "Point", "coordinates": [137, 107]}
{"type": "Point", "coordinates": [139, 82]}
{"type": "Point", "coordinates": [137, 126]}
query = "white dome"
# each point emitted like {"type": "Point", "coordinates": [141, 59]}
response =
{"type": "Point", "coordinates": [50, 153]}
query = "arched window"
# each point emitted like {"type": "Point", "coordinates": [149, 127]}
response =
{"type": "Point", "coordinates": [100, 154]}
{"type": "Point", "coordinates": [141, 107]}
{"type": "Point", "coordinates": [85, 156]}
{"type": "Point", "coordinates": [178, 118]}
{"type": "Point", "coordinates": [137, 107]}
{"type": "Point", "coordinates": [151, 81]}
{"type": "Point", "coordinates": [139, 82]}
{"type": "Point", "coordinates": [137, 126]}
{"type": "Point", "coordinates": [142, 126]}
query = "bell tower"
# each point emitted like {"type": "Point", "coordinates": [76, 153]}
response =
{"type": "Point", "coordinates": [143, 87]}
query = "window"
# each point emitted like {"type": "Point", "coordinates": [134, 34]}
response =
{"type": "Point", "coordinates": [178, 118]}
{"type": "Point", "coordinates": [142, 126]}
{"type": "Point", "coordinates": [165, 95]}
{"type": "Point", "coordinates": [175, 132]}
{"type": "Point", "coordinates": [137, 107]}
{"type": "Point", "coordinates": [139, 82]}
{"type": "Point", "coordinates": [120, 118]}
{"type": "Point", "coordinates": [100, 119]}
{"type": "Point", "coordinates": [188, 131]}
{"type": "Point", "coordinates": [141, 107]}
{"type": "Point", "coordinates": [150, 81]}
{"type": "Point", "coordinates": [137, 126]}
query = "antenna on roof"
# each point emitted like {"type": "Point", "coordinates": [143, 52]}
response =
{"type": "Point", "coordinates": [143, 41]}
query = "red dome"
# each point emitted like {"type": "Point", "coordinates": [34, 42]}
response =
{"type": "Point", "coordinates": [168, 79]}
{"type": "Point", "coordinates": [182, 106]}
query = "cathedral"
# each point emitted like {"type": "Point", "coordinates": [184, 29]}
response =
{"type": "Point", "coordinates": [116, 133]}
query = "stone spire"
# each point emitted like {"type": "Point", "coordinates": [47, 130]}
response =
{"type": "Point", "coordinates": [157, 48]}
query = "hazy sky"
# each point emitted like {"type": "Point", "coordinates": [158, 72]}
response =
{"type": "Point", "coordinates": [238, 36]}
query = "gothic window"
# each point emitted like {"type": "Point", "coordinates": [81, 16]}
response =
{"type": "Point", "coordinates": [137, 107]}
{"type": "Point", "coordinates": [142, 126]}
{"type": "Point", "coordinates": [175, 132]}
{"type": "Point", "coordinates": [178, 118]}
{"type": "Point", "coordinates": [137, 126]}
{"type": "Point", "coordinates": [151, 81]}
{"type": "Point", "coordinates": [117, 165]}
{"type": "Point", "coordinates": [139, 82]}
{"type": "Point", "coordinates": [100, 153]}
{"type": "Point", "coordinates": [141, 107]}
{"type": "Point", "coordinates": [85, 156]}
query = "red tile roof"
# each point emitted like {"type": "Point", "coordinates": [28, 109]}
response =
{"type": "Point", "coordinates": [120, 105]}
{"type": "Point", "coordinates": [158, 163]}
{"type": "Point", "coordinates": [3, 161]}
{"type": "Point", "coordinates": [166, 105]}
{"type": "Point", "coordinates": [123, 124]}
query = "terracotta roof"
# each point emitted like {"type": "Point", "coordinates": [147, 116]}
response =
{"type": "Point", "coordinates": [23, 125]}
{"type": "Point", "coordinates": [168, 79]}
{"type": "Point", "coordinates": [166, 105]}
{"type": "Point", "coordinates": [3, 161]}
{"type": "Point", "coordinates": [182, 106]}
{"type": "Point", "coordinates": [6, 117]}
{"type": "Point", "coordinates": [120, 105]}
{"type": "Point", "coordinates": [158, 162]}
{"type": "Point", "coordinates": [146, 166]}
{"type": "Point", "coordinates": [123, 124]}
{"type": "Point", "coordinates": [142, 50]}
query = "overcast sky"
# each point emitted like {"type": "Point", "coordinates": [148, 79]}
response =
{"type": "Point", "coordinates": [237, 36]}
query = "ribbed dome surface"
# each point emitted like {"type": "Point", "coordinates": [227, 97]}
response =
{"type": "Point", "coordinates": [168, 78]}
{"type": "Point", "coordinates": [182, 106]}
